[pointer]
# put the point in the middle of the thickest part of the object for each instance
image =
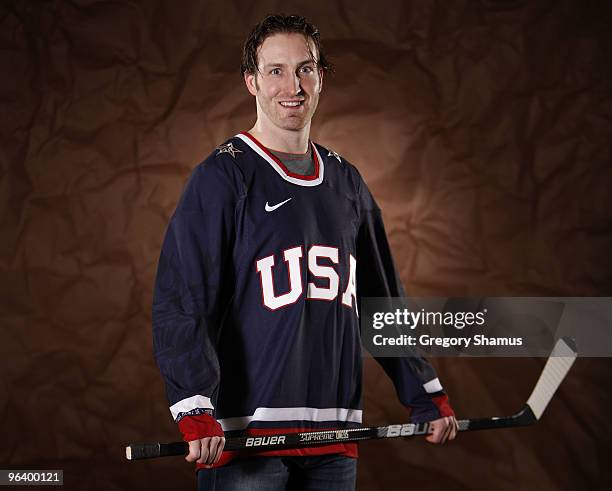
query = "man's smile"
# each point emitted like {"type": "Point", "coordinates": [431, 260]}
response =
{"type": "Point", "coordinates": [292, 104]}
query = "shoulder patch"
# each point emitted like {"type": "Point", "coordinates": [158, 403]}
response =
{"type": "Point", "coordinates": [228, 148]}
{"type": "Point", "coordinates": [334, 154]}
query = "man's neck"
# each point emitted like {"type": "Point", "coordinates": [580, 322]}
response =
{"type": "Point", "coordinates": [295, 141]}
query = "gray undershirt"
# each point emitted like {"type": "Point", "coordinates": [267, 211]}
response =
{"type": "Point", "coordinates": [296, 163]}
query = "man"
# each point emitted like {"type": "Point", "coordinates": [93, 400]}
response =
{"type": "Point", "coordinates": [274, 241]}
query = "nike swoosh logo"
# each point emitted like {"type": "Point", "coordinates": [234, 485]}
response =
{"type": "Point", "coordinates": [278, 205]}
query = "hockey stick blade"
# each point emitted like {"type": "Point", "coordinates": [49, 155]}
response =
{"type": "Point", "coordinates": [556, 368]}
{"type": "Point", "coordinates": [558, 364]}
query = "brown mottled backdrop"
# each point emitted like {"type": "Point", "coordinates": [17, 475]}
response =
{"type": "Point", "coordinates": [484, 129]}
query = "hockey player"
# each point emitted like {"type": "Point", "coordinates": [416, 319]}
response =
{"type": "Point", "coordinates": [255, 316]}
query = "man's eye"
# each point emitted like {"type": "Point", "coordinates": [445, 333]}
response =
{"type": "Point", "coordinates": [275, 71]}
{"type": "Point", "coordinates": [306, 69]}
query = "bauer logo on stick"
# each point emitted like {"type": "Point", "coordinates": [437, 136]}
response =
{"type": "Point", "coordinates": [264, 440]}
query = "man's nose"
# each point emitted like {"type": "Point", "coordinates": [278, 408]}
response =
{"type": "Point", "coordinates": [294, 84]}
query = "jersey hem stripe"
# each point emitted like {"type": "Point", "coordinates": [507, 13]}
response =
{"type": "Point", "coordinates": [292, 414]}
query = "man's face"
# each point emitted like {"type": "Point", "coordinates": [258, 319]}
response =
{"type": "Point", "coordinates": [288, 82]}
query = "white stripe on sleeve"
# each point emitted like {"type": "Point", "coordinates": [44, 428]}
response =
{"type": "Point", "coordinates": [189, 404]}
{"type": "Point", "coordinates": [433, 386]}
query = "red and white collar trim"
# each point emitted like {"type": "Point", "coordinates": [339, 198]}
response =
{"type": "Point", "coordinates": [312, 180]}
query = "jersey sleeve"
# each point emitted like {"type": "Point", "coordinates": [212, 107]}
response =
{"type": "Point", "coordinates": [414, 378]}
{"type": "Point", "coordinates": [190, 292]}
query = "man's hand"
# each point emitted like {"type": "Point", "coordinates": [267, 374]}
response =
{"type": "Point", "coordinates": [442, 429]}
{"type": "Point", "coordinates": [205, 437]}
{"type": "Point", "coordinates": [206, 450]}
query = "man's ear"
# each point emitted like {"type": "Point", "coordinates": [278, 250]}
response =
{"type": "Point", "coordinates": [249, 80]}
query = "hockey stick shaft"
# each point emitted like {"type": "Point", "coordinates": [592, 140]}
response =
{"type": "Point", "coordinates": [137, 451]}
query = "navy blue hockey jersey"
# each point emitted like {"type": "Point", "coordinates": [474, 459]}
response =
{"type": "Point", "coordinates": [255, 311]}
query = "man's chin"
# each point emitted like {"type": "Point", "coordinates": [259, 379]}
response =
{"type": "Point", "coordinates": [292, 124]}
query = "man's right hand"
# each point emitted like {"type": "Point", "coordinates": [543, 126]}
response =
{"type": "Point", "coordinates": [206, 450]}
{"type": "Point", "coordinates": [205, 437]}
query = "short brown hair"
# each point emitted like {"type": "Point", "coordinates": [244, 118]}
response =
{"type": "Point", "coordinates": [274, 24]}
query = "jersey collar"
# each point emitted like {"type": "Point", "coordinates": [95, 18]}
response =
{"type": "Point", "coordinates": [314, 179]}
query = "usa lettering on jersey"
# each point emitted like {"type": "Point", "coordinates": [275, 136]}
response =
{"type": "Point", "coordinates": [293, 257]}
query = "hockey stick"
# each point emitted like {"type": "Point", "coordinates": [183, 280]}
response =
{"type": "Point", "coordinates": [556, 368]}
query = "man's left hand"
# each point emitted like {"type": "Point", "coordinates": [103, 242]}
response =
{"type": "Point", "coordinates": [442, 429]}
